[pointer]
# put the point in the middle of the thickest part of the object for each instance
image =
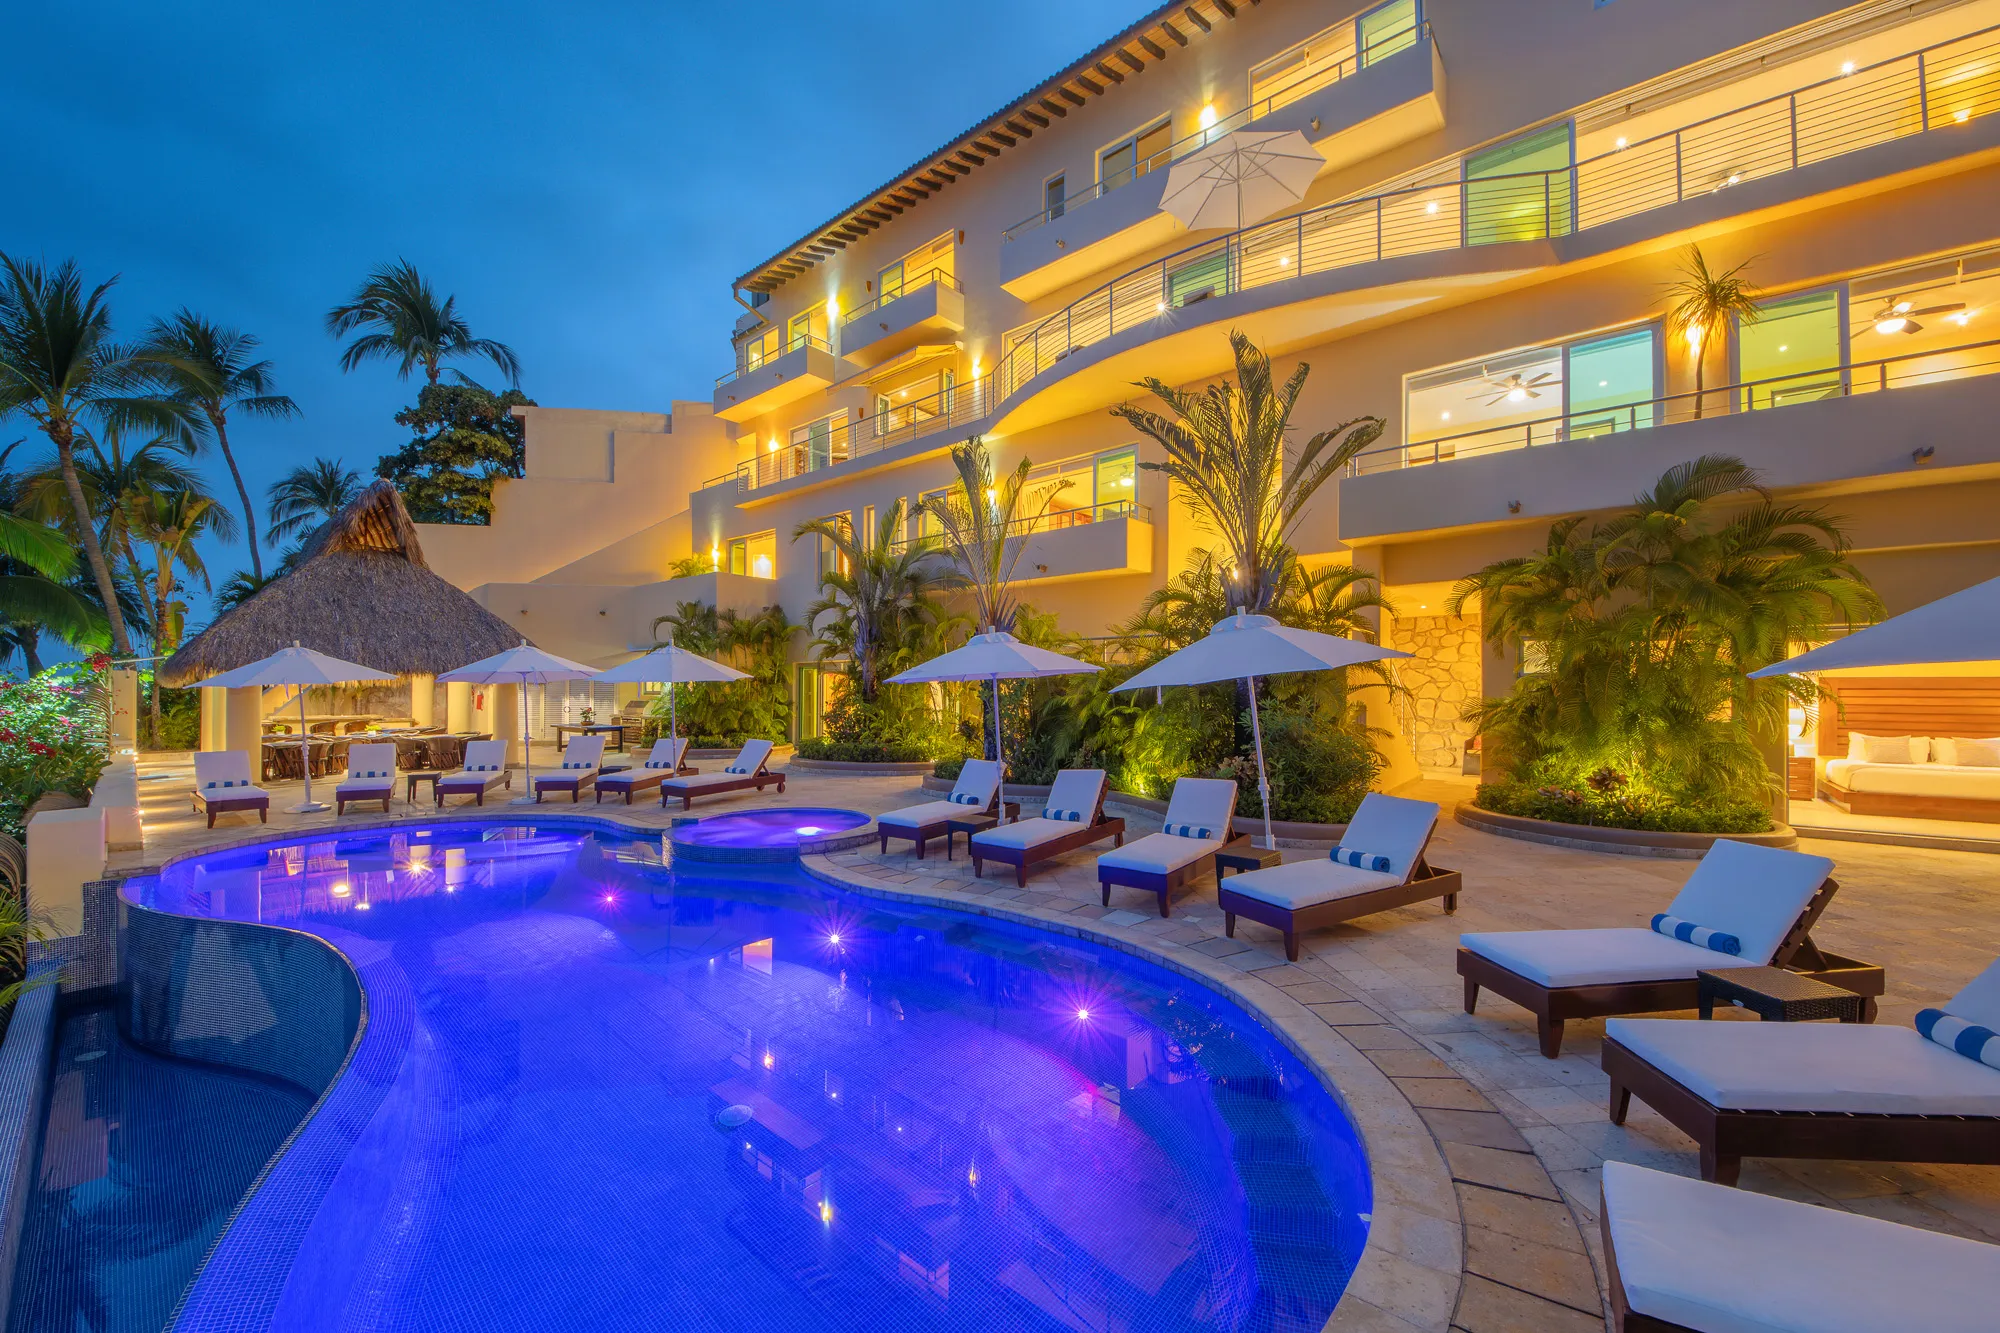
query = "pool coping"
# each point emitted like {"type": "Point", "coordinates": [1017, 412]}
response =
{"type": "Point", "coordinates": [1411, 1273]}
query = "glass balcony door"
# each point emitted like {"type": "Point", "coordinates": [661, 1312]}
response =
{"type": "Point", "coordinates": [1793, 352]}
{"type": "Point", "coordinates": [1520, 190]}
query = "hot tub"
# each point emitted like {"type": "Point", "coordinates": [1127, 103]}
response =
{"type": "Point", "coordinates": [779, 834]}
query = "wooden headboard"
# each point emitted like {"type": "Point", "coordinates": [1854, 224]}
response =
{"type": "Point", "coordinates": [1908, 706]}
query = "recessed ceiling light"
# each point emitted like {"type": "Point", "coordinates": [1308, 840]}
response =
{"type": "Point", "coordinates": [1847, 67]}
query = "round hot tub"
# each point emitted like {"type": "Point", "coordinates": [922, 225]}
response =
{"type": "Point", "coordinates": [769, 835]}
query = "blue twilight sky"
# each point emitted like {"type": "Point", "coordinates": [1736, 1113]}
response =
{"type": "Point", "coordinates": [586, 177]}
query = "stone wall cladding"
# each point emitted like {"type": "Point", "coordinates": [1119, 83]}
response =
{"type": "Point", "coordinates": [1442, 677]}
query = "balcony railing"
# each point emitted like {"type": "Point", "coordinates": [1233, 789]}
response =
{"type": "Point", "coordinates": [744, 367]}
{"type": "Point", "coordinates": [910, 287]}
{"type": "Point", "coordinates": [907, 420]}
{"type": "Point", "coordinates": [1305, 85]}
{"type": "Point", "coordinates": [1906, 370]}
{"type": "Point", "coordinates": [1934, 88]}
{"type": "Point", "coordinates": [1056, 520]}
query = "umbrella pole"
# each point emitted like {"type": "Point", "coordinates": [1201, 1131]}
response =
{"type": "Point", "coordinates": [1263, 782]}
{"type": "Point", "coordinates": [1000, 748]}
{"type": "Point", "coordinates": [306, 806]}
{"type": "Point", "coordinates": [527, 746]}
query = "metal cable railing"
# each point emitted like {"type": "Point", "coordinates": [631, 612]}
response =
{"type": "Point", "coordinates": [910, 286]}
{"type": "Point", "coordinates": [1058, 520]}
{"type": "Point", "coordinates": [1905, 370]}
{"type": "Point", "coordinates": [791, 345]}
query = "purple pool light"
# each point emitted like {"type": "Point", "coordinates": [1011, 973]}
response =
{"type": "Point", "coordinates": [777, 832]}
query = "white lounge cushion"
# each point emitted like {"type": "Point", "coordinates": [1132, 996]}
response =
{"type": "Point", "coordinates": [222, 770]}
{"type": "Point", "coordinates": [929, 813]}
{"type": "Point", "coordinates": [1391, 826]}
{"type": "Point", "coordinates": [485, 759]}
{"type": "Point", "coordinates": [1960, 782]}
{"type": "Point", "coordinates": [625, 777]}
{"type": "Point", "coordinates": [1597, 957]}
{"type": "Point", "coordinates": [1754, 893]}
{"type": "Point", "coordinates": [1856, 1068]}
{"type": "Point", "coordinates": [748, 760]}
{"type": "Point", "coordinates": [1978, 1001]}
{"type": "Point", "coordinates": [1076, 791]}
{"type": "Point", "coordinates": [1161, 853]}
{"type": "Point", "coordinates": [1728, 1260]}
{"type": "Point", "coordinates": [696, 781]}
{"type": "Point", "coordinates": [1202, 803]}
{"type": "Point", "coordinates": [470, 781]}
{"type": "Point", "coordinates": [976, 785]}
{"type": "Point", "coordinates": [1026, 833]}
{"type": "Point", "coordinates": [353, 782]}
{"type": "Point", "coordinates": [1308, 883]}
{"type": "Point", "coordinates": [235, 793]}
{"type": "Point", "coordinates": [665, 756]}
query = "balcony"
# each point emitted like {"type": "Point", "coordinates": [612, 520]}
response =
{"type": "Point", "coordinates": [1093, 541]}
{"type": "Point", "coordinates": [929, 308]}
{"type": "Point", "coordinates": [878, 438]}
{"type": "Point", "coordinates": [748, 392]}
{"type": "Point", "coordinates": [1930, 409]}
{"type": "Point", "coordinates": [1346, 118]}
{"type": "Point", "coordinates": [1904, 113]}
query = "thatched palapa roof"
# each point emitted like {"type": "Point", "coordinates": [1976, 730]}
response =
{"type": "Point", "coordinates": [360, 591]}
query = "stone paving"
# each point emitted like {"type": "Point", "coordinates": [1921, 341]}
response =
{"type": "Point", "coordinates": [1523, 1138]}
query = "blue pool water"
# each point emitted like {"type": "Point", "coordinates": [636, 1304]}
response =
{"type": "Point", "coordinates": [595, 1092]}
{"type": "Point", "coordinates": [785, 826]}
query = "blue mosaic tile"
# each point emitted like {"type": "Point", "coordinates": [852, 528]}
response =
{"type": "Point", "coordinates": [952, 1122]}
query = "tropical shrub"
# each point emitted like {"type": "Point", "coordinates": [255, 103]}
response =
{"type": "Point", "coordinates": [716, 716]}
{"type": "Point", "coordinates": [854, 732]}
{"type": "Point", "coordinates": [1319, 773]}
{"type": "Point", "coordinates": [178, 724]}
{"type": "Point", "coordinates": [52, 738]}
{"type": "Point", "coordinates": [1621, 808]}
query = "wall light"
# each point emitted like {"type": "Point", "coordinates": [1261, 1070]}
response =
{"type": "Point", "coordinates": [763, 566]}
{"type": "Point", "coordinates": [1447, 416]}
{"type": "Point", "coordinates": [1431, 207]}
{"type": "Point", "coordinates": [1847, 67]}
{"type": "Point", "coordinates": [832, 308]}
{"type": "Point", "coordinates": [715, 557]}
{"type": "Point", "coordinates": [1208, 116]}
{"type": "Point", "coordinates": [772, 447]}
{"type": "Point", "coordinates": [1621, 142]}
{"type": "Point", "coordinates": [1962, 115]}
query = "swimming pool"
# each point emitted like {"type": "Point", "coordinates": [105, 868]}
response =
{"type": "Point", "coordinates": [952, 1122]}
{"type": "Point", "coordinates": [772, 834]}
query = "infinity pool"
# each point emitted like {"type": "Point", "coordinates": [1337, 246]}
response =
{"type": "Point", "coordinates": [592, 1092]}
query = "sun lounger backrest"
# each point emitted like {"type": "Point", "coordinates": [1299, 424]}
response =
{"type": "Point", "coordinates": [1754, 893]}
{"type": "Point", "coordinates": [377, 759]}
{"type": "Point", "coordinates": [1979, 1001]}
{"type": "Point", "coordinates": [751, 758]}
{"type": "Point", "coordinates": [586, 752]}
{"type": "Point", "coordinates": [221, 769]}
{"type": "Point", "coordinates": [1391, 826]}
{"type": "Point", "coordinates": [667, 752]}
{"type": "Point", "coordinates": [1076, 790]}
{"type": "Point", "coordinates": [1202, 803]}
{"type": "Point", "coordinates": [977, 783]}
{"type": "Point", "coordinates": [485, 756]}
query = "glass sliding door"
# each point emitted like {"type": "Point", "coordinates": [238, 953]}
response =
{"type": "Point", "coordinates": [1385, 30]}
{"type": "Point", "coordinates": [1520, 190]}
{"type": "Point", "coordinates": [1612, 383]}
{"type": "Point", "coordinates": [1115, 482]}
{"type": "Point", "coordinates": [1793, 352]}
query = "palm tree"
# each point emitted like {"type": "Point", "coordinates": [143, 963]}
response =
{"type": "Point", "coordinates": [1705, 304]}
{"type": "Point", "coordinates": [168, 522]}
{"type": "Point", "coordinates": [878, 591]}
{"type": "Point", "coordinates": [59, 366]}
{"type": "Point", "coordinates": [34, 558]}
{"type": "Point", "coordinates": [308, 496]}
{"type": "Point", "coordinates": [1229, 449]}
{"type": "Point", "coordinates": [983, 526]}
{"type": "Point", "coordinates": [211, 371]}
{"type": "Point", "coordinates": [407, 323]}
{"type": "Point", "coordinates": [240, 587]}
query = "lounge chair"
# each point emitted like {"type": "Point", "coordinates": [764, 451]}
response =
{"type": "Point", "coordinates": [664, 762]}
{"type": "Point", "coordinates": [1200, 815]}
{"type": "Point", "coordinates": [371, 776]}
{"type": "Point", "coordinates": [1760, 900]}
{"type": "Point", "coordinates": [581, 759]}
{"type": "Point", "coordinates": [1072, 817]}
{"type": "Point", "coordinates": [222, 783]}
{"type": "Point", "coordinates": [974, 793]}
{"type": "Point", "coordinates": [747, 769]}
{"type": "Point", "coordinates": [485, 768]}
{"type": "Point", "coordinates": [1379, 864]}
{"type": "Point", "coordinates": [1681, 1256]}
{"type": "Point", "coordinates": [1846, 1092]}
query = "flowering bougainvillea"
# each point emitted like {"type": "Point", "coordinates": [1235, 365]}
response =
{"type": "Point", "coordinates": [52, 738]}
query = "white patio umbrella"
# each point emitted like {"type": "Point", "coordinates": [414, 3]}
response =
{"type": "Point", "coordinates": [996, 656]}
{"type": "Point", "coordinates": [1244, 176]}
{"type": "Point", "coordinates": [525, 665]}
{"type": "Point", "coordinates": [671, 666]}
{"type": "Point", "coordinates": [1245, 647]}
{"type": "Point", "coordinates": [1964, 627]}
{"type": "Point", "coordinates": [301, 667]}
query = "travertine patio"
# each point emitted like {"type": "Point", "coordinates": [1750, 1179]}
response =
{"type": "Point", "coordinates": [1523, 1137]}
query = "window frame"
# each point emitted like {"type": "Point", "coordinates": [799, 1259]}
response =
{"type": "Point", "coordinates": [1745, 399]}
{"type": "Point", "coordinates": [1157, 124]}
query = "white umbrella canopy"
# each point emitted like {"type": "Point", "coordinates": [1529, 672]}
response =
{"type": "Point", "coordinates": [1242, 177]}
{"type": "Point", "coordinates": [1964, 627]}
{"type": "Point", "coordinates": [525, 665]}
{"type": "Point", "coordinates": [297, 666]}
{"type": "Point", "coordinates": [1244, 647]}
{"type": "Point", "coordinates": [671, 666]}
{"type": "Point", "coordinates": [996, 656]}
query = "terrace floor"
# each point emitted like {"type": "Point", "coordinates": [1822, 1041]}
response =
{"type": "Point", "coordinates": [1523, 1137]}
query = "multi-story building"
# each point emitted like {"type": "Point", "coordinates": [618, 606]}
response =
{"type": "Point", "coordinates": [1507, 191]}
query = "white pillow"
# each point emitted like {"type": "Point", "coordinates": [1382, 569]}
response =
{"type": "Point", "coordinates": [1962, 752]}
{"type": "Point", "coordinates": [1888, 749]}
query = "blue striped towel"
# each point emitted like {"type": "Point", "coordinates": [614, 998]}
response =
{"type": "Point", "coordinates": [1689, 933]}
{"type": "Point", "coordinates": [577, 763]}
{"type": "Point", "coordinates": [1073, 816]}
{"type": "Point", "coordinates": [482, 768]}
{"type": "Point", "coordinates": [658, 763]}
{"type": "Point", "coordinates": [368, 773]}
{"type": "Point", "coordinates": [961, 798]}
{"type": "Point", "coordinates": [1188, 831]}
{"type": "Point", "coordinates": [228, 782]}
{"type": "Point", "coordinates": [736, 768]}
{"type": "Point", "coordinates": [1968, 1039]}
{"type": "Point", "coordinates": [1360, 860]}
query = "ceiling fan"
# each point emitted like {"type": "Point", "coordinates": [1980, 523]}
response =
{"type": "Point", "coordinates": [1901, 316]}
{"type": "Point", "coordinates": [1515, 389]}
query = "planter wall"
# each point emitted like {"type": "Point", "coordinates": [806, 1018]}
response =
{"type": "Point", "coordinates": [1618, 841]}
{"type": "Point", "coordinates": [842, 768]}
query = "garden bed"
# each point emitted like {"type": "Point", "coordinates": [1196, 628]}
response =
{"type": "Point", "coordinates": [1287, 832]}
{"type": "Point", "coordinates": [862, 768]}
{"type": "Point", "coordinates": [1619, 841]}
